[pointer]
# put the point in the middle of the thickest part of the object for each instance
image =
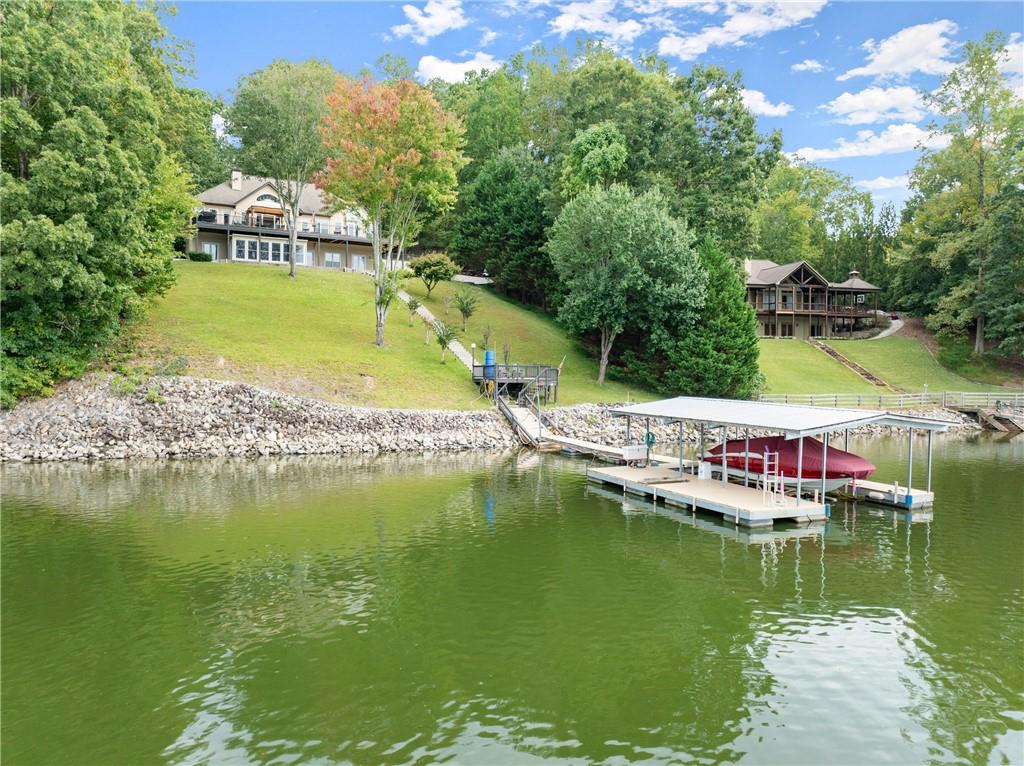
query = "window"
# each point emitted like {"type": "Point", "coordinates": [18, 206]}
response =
{"type": "Point", "coordinates": [251, 249]}
{"type": "Point", "coordinates": [300, 256]}
{"type": "Point", "coordinates": [239, 249]}
{"type": "Point", "coordinates": [213, 249]}
{"type": "Point", "coordinates": [353, 230]}
{"type": "Point", "coordinates": [264, 251]}
{"type": "Point", "coordinates": [275, 252]}
{"type": "Point", "coordinates": [305, 225]}
{"type": "Point", "coordinates": [332, 260]}
{"type": "Point", "coordinates": [268, 198]}
{"type": "Point", "coordinates": [358, 263]}
{"type": "Point", "coordinates": [337, 228]}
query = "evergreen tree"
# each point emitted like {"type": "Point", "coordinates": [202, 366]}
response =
{"type": "Point", "coordinates": [719, 356]}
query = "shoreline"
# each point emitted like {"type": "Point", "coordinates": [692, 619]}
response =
{"type": "Point", "coordinates": [196, 418]}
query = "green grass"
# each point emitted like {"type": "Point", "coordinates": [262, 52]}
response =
{"type": "Point", "coordinates": [535, 339]}
{"type": "Point", "coordinates": [906, 363]}
{"type": "Point", "coordinates": [310, 336]}
{"type": "Point", "coordinates": [794, 367]}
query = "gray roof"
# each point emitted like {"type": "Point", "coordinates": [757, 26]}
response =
{"type": "Point", "coordinates": [856, 284]}
{"type": "Point", "coordinates": [794, 420]}
{"type": "Point", "coordinates": [311, 202]}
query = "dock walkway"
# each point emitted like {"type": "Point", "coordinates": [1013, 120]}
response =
{"type": "Point", "coordinates": [741, 505]}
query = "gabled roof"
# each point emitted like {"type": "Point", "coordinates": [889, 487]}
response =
{"type": "Point", "coordinates": [856, 284]}
{"type": "Point", "coordinates": [765, 273]}
{"type": "Point", "coordinates": [310, 203]}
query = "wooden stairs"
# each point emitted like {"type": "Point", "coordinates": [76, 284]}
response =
{"type": "Point", "coordinates": [869, 376]}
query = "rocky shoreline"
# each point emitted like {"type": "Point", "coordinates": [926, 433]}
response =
{"type": "Point", "coordinates": [184, 417]}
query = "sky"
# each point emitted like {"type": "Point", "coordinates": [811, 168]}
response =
{"type": "Point", "coordinates": [843, 81]}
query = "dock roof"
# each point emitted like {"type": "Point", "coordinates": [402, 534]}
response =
{"type": "Point", "coordinates": [793, 420]}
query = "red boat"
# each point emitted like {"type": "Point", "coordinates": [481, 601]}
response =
{"type": "Point", "coordinates": [842, 466]}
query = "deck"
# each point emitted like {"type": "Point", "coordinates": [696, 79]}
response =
{"type": "Point", "coordinates": [741, 505]}
{"type": "Point", "coordinates": [889, 494]}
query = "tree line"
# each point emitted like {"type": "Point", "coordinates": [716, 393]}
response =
{"type": "Point", "coordinates": [618, 195]}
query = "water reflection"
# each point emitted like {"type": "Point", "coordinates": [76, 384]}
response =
{"type": "Point", "coordinates": [496, 608]}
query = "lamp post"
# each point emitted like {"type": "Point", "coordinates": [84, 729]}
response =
{"type": "Point", "coordinates": [472, 351]}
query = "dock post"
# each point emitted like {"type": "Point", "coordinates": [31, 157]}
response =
{"type": "Point", "coordinates": [647, 444]}
{"type": "Point", "coordinates": [680, 424]}
{"type": "Point", "coordinates": [725, 448]}
{"type": "Point", "coordinates": [846, 440]}
{"type": "Point", "coordinates": [799, 470]}
{"type": "Point", "coordinates": [628, 423]}
{"type": "Point", "coordinates": [824, 465]}
{"type": "Point", "coordinates": [910, 460]}
{"type": "Point", "coordinates": [928, 486]}
{"type": "Point", "coordinates": [700, 448]}
{"type": "Point", "coordinates": [746, 458]}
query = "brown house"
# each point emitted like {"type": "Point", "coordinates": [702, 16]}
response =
{"type": "Point", "coordinates": [794, 301]}
{"type": "Point", "coordinates": [242, 220]}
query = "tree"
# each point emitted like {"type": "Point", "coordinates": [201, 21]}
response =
{"type": "Point", "coordinates": [719, 356]}
{"type": "Point", "coordinates": [1002, 295]}
{"type": "Point", "coordinates": [597, 156]}
{"type": "Point", "coordinates": [413, 305]}
{"type": "Point", "coordinates": [446, 335]}
{"type": "Point", "coordinates": [432, 269]}
{"type": "Point", "coordinates": [276, 117]}
{"type": "Point", "coordinates": [466, 303]}
{"type": "Point", "coordinates": [501, 225]}
{"type": "Point", "coordinates": [976, 104]}
{"type": "Point", "coordinates": [394, 152]}
{"type": "Point", "coordinates": [91, 199]}
{"type": "Point", "coordinates": [625, 264]}
{"type": "Point", "coordinates": [783, 224]}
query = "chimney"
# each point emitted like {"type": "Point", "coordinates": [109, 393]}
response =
{"type": "Point", "coordinates": [747, 267]}
{"type": "Point", "coordinates": [236, 179]}
{"type": "Point", "coordinates": [854, 275]}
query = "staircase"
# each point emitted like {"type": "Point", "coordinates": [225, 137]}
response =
{"type": "Point", "coordinates": [850, 364]}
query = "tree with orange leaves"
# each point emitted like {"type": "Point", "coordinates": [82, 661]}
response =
{"type": "Point", "coordinates": [394, 153]}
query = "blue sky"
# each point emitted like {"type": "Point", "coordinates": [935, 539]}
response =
{"type": "Point", "coordinates": [842, 80]}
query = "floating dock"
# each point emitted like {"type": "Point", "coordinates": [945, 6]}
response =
{"type": "Point", "coordinates": [888, 494]}
{"type": "Point", "coordinates": [744, 506]}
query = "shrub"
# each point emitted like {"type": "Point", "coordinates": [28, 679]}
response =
{"type": "Point", "coordinates": [195, 255]}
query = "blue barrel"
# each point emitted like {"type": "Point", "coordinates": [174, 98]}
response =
{"type": "Point", "coordinates": [489, 365]}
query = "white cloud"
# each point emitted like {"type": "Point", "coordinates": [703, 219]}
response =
{"type": "Point", "coordinates": [487, 36]}
{"type": "Point", "coordinates": [925, 48]}
{"type": "Point", "coordinates": [808, 65]}
{"type": "Point", "coordinates": [431, 67]}
{"type": "Point", "coordinates": [595, 18]}
{"type": "Point", "coordinates": [745, 20]}
{"type": "Point", "coordinates": [1012, 64]}
{"type": "Point", "coordinates": [883, 183]}
{"type": "Point", "coordinates": [219, 126]}
{"type": "Point", "coordinates": [876, 104]}
{"type": "Point", "coordinates": [759, 104]}
{"type": "Point", "coordinates": [895, 139]}
{"type": "Point", "coordinates": [436, 17]}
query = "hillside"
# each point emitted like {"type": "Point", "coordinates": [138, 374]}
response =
{"type": "Point", "coordinates": [313, 336]}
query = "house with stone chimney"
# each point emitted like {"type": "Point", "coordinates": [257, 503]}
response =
{"type": "Point", "coordinates": [794, 300]}
{"type": "Point", "coordinates": [242, 220]}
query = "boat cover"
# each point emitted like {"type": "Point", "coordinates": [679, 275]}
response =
{"type": "Point", "coordinates": [841, 464]}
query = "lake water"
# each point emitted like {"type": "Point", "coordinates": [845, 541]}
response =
{"type": "Point", "coordinates": [497, 609]}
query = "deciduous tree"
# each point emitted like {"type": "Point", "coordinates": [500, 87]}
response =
{"type": "Point", "coordinates": [394, 152]}
{"type": "Point", "coordinates": [276, 116]}
{"type": "Point", "coordinates": [432, 269]}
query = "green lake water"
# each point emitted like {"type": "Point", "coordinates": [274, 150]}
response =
{"type": "Point", "coordinates": [496, 609]}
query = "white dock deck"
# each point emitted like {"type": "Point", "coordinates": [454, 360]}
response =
{"type": "Point", "coordinates": [741, 505]}
{"type": "Point", "coordinates": [890, 494]}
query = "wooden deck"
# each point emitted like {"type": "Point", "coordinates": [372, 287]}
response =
{"type": "Point", "coordinates": [889, 494]}
{"type": "Point", "coordinates": [741, 505]}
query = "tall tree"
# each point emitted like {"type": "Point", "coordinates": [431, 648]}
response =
{"type": "Point", "coordinates": [394, 152]}
{"type": "Point", "coordinates": [719, 357]}
{"type": "Point", "coordinates": [625, 264]}
{"type": "Point", "coordinates": [501, 224]}
{"type": "Point", "coordinates": [276, 117]}
{"type": "Point", "coordinates": [90, 197]}
{"type": "Point", "coordinates": [596, 157]}
{"type": "Point", "coordinates": [976, 104]}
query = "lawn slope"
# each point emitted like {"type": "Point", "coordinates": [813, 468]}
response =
{"type": "Point", "coordinates": [794, 367]}
{"type": "Point", "coordinates": [906, 363]}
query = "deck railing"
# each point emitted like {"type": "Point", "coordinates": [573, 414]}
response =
{"type": "Point", "coordinates": [902, 401]}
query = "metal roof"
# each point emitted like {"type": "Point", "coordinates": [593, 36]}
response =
{"type": "Point", "coordinates": [794, 420]}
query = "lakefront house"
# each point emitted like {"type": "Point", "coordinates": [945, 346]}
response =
{"type": "Point", "coordinates": [243, 220]}
{"type": "Point", "coordinates": [794, 301]}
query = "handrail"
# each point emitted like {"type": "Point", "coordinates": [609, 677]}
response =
{"type": "Point", "coordinates": [901, 401]}
{"type": "Point", "coordinates": [507, 412]}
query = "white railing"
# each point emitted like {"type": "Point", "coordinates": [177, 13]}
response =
{"type": "Point", "coordinates": [902, 401]}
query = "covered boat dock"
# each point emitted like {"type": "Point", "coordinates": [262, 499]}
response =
{"type": "Point", "coordinates": [756, 500]}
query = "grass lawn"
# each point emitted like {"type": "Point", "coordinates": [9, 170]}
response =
{"type": "Point", "coordinates": [906, 363]}
{"type": "Point", "coordinates": [794, 367]}
{"type": "Point", "coordinates": [535, 339]}
{"type": "Point", "coordinates": [309, 336]}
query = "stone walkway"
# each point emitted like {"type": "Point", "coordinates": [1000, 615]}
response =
{"type": "Point", "coordinates": [455, 347]}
